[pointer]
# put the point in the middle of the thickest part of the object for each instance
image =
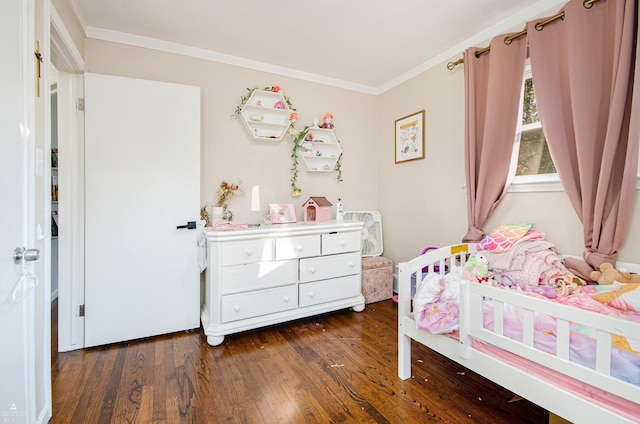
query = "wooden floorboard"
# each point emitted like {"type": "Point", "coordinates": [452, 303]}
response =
{"type": "Point", "coordinates": [339, 367]}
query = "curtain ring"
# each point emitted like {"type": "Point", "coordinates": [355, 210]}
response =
{"type": "Point", "coordinates": [588, 4]}
{"type": "Point", "coordinates": [539, 26]}
{"type": "Point", "coordinates": [507, 40]}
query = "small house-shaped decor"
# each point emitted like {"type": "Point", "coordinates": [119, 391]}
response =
{"type": "Point", "coordinates": [317, 209]}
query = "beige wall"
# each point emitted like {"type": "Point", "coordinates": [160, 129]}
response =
{"type": "Point", "coordinates": [422, 201]}
{"type": "Point", "coordinates": [227, 151]}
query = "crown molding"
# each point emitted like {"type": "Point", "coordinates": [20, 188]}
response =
{"type": "Point", "coordinates": [176, 48]}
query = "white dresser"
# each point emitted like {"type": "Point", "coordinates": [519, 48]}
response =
{"type": "Point", "coordinates": [279, 272]}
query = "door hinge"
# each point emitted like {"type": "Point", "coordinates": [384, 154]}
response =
{"type": "Point", "coordinates": [81, 310]}
{"type": "Point", "coordinates": [80, 104]}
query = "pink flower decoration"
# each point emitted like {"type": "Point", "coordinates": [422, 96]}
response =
{"type": "Point", "coordinates": [275, 88]}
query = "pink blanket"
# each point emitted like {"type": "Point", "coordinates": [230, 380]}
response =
{"type": "Point", "coordinates": [437, 300]}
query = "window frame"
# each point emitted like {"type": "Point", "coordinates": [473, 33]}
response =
{"type": "Point", "coordinates": [537, 182]}
{"type": "Point", "coordinates": [528, 183]}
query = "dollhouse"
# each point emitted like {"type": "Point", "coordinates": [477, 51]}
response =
{"type": "Point", "coordinates": [317, 209]}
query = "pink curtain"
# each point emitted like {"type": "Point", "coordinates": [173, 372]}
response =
{"type": "Point", "coordinates": [583, 70]}
{"type": "Point", "coordinates": [493, 83]}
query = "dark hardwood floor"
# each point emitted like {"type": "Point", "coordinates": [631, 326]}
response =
{"type": "Point", "coordinates": [334, 368]}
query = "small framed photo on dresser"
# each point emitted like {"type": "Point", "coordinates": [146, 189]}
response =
{"type": "Point", "coordinates": [282, 213]}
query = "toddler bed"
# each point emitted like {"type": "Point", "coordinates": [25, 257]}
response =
{"type": "Point", "coordinates": [578, 363]}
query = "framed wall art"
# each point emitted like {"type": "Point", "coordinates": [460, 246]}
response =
{"type": "Point", "coordinates": [409, 137]}
{"type": "Point", "coordinates": [281, 213]}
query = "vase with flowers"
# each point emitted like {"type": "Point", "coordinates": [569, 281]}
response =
{"type": "Point", "coordinates": [225, 192]}
{"type": "Point", "coordinates": [220, 209]}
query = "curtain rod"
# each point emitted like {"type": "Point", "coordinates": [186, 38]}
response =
{"type": "Point", "coordinates": [539, 26]}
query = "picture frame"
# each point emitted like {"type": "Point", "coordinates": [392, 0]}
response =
{"type": "Point", "coordinates": [282, 213]}
{"type": "Point", "coordinates": [409, 137]}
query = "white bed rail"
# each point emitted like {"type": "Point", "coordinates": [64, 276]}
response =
{"type": "Point", "coordinates": [443, 258]}
{"type": "Point", "coordinates": [574, 407]}
{"type": "Point", "coordinates": [471, 327]}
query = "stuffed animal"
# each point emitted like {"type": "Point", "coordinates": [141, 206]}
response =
{"type": "Point", "coordinates": [477, 268]}
{"type": "Point", "coordinates": [630, 277]}
{"type": "Point", "coordinates": [608, 274]}
{"type": "Point", "coordinates": [328, 120]}
{"type": "Point", "coordinates": [565, 285]}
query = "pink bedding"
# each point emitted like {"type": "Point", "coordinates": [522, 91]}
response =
{"type": "Point", "coordinates": [437, 310]}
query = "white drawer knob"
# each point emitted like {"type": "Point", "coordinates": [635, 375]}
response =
{"type": "Point", "coordinates": [312, 270]}
{"type": "Point", "coordinates": [249, 252]}
{"type": "Point", "coordinates": [312, 295]}
{"type": "Point", "coordinates": [351, 264]}
{"type": "Point", "coordinates": [286, 299]}
{"type": "Point", "coordinates": [299, 248]}
{"type": "Point", "coordinates": [236, 308]}
{"type": "Point", "coordinates": [342, 243]}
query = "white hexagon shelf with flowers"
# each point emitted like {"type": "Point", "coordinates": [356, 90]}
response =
{"type": "Point", "coordinates": [267, 115]}
{"type": "Point", "coordinates": [319, 150]}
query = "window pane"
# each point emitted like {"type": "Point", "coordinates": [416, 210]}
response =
{"type": "Point", "coordinates": [533, 154]}
{"type": "Point", "coordinates": [530, 109]}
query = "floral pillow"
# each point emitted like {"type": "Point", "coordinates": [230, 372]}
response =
{"type": "Point", "coordinates": [503, 237]}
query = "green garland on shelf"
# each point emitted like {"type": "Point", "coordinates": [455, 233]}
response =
{"type": "Point", "coordinates": [275, 89]}
{"type": "Point", "coordinates": [298, 136]}
{"type": "Point", "coordinates": [297, 143]}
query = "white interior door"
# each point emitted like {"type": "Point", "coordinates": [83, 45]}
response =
{"type": "Point", "coordinates": [17, 281]}
{"type": "Point", "coordinates": [142, 181]}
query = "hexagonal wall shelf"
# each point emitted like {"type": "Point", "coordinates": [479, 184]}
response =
{"type": "Point", "coordinates": [320, 150]}
{"type": "Point", "coordinates": [266, 115]}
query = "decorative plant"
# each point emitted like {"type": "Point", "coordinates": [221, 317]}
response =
{"type": "Point", "coordinates": [204, 214]}
{"type": "Point", "coordinates": [293, 115]}
{"type": "Point", "coordinates": [226, 191]}
{"type": "Point", "coordinates": [297, 144]}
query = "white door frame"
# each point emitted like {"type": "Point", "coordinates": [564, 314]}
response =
{"type": "Point", "coordinates": [70, 64]}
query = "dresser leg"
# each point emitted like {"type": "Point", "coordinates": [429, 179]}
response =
{"type": "Point", "coordinates": [215, 340]}
{"type": "Point", "coordinates": [358, 308]}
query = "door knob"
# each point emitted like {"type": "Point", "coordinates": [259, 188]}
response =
{"type": "Point", "coordinates": [27, 254]}
{"type": "Point", "coordinates": [191, 225]}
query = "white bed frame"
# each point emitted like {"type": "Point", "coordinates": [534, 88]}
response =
{"type": "Point", "coordinates": [555, 399]}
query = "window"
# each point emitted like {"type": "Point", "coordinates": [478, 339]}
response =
{"type": "Point", "coordinates": [532, 165]}
{"type": "Point", "coordinates": [533, 154]}
{"type": "Point", "coordinates": [532, 168]}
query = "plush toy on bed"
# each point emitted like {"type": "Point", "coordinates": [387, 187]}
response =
{"type": "Point", "coordinates": [608, 274]}
{"type": "Point", "coordinates": [564, 285]}
{"type": "Point", "coordinates": [477, 268]}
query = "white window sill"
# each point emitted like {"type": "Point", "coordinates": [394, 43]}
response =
{"type": "Point", "coordinates": [535, 183]}
{"type": "Point", "coordinates": [541, 183]}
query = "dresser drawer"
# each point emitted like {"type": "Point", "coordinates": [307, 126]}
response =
{"type": "Point", "coordinates": [261, 302]}
{"type": "Point", "coordinates": [297, 247]}
{"type": "Point", "coordinates": [324, 267]}
{"type": "Point", "coordinates": [246, 251]}
{"type": "Point", "coordinates": [341, 242]}
{"type": "Point", "coordinates": [259, 275]}
{"type": "Point", "coordinates": [329, 290]}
